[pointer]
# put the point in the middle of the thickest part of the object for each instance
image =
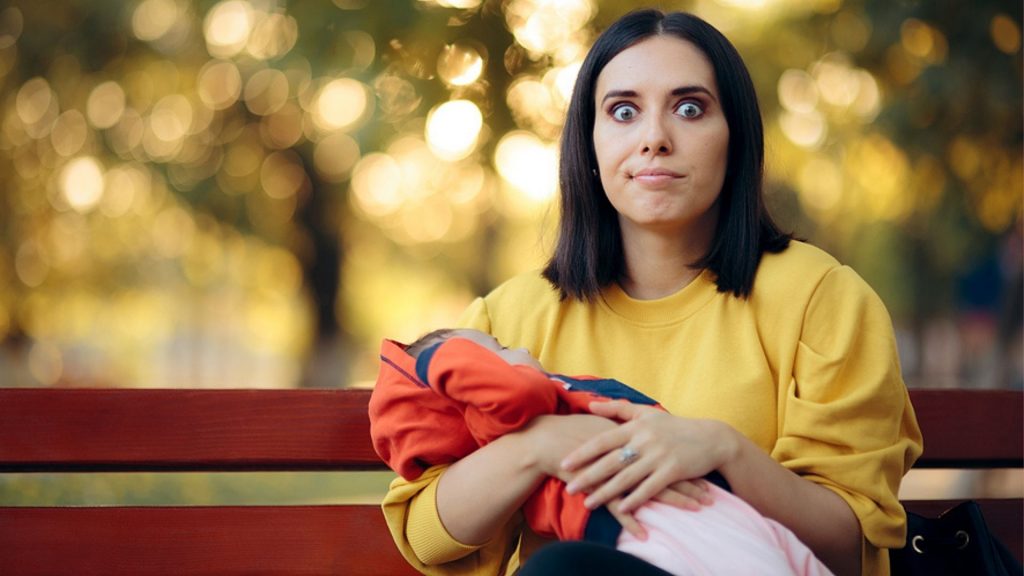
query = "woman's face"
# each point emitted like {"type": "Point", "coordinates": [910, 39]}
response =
{"type": "Point", "coordinates": [661, 139]}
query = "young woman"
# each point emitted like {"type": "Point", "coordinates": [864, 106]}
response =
{"type": "Point", "coordinates": [777, 364]}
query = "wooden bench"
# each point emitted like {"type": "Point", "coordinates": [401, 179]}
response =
{"type": "Point", "coordinates": [75, 430]}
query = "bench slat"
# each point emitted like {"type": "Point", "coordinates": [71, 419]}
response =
{"type": "Point", "coordinates": [148, 541]}
{"type": "Point", "coordinates": [250, 540]}
{"type": "Point", "coordinates": [237, 430]}
{"type": "Point", "coordinates": [970, 428]}
{"type": "Point", "coordinates": [110, 430]}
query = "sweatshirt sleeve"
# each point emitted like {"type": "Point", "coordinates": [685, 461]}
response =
{"type": "Point", "coordinates": [845, 420]}
{"type": "Point", "coordinates": [411, 515]}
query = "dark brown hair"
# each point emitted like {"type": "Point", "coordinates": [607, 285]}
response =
{"type": "Point", "coordinates": [589, 255]}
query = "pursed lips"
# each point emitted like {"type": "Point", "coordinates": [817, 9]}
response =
{"type": "Point", "coordinates": [655, 175]}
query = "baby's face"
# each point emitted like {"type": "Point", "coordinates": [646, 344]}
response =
{"type": "Point", "coordinates": [514, 356]}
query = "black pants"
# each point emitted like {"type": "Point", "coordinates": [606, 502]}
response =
{"type": "Point", "coordinates": [585, 559]}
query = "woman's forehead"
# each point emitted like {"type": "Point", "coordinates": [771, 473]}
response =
{"type": "Point", "coordinates": [662, 62]}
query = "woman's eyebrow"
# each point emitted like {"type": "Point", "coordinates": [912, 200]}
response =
{"type": "Point", "coordinates": [680, 91]}
{"type": "Point", "coordinates": [619, 94]}
{"type": "Point", "coordinates": [684, 90]}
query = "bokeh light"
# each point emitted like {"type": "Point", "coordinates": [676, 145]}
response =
{"type": "Point", "coordinates": [219, 84]}
{"type": "Point", "coordinates": [171, 118]}
{"type": "Point", "coordinates": [797, 91]}
{"type": "Point", "coordinates": [1005, 33]}
{"type": "Point", "coordinates": [154, 18]}
{"type": "Point", "coordinates": [35, 102]}
{"type": "Point", "coordinates": [69, 133]}
{"type": "Point", "coordinates": [528, 164]}
{"type": "Point", "coordinates": [545, 26]}
{"type": "Point", "coordinates": [341, 103]}
{"type": "Point", "coordinates": [282, 175]}
{"type": "Point", "coordinates": [273, 36]}
{"type": "Point", "coordinates": [460, 64]}
{"type": "Point", "coordinates": [335, 156]}
{"type": "Point", "coordinates": [106, 104]}
{"type": "Point", "coordinates": [227, 27]}
{"type": "Point", "coordinates": [266, 91]}
{"type": "Point", "coordinates": [82, 183]}
{"type": "Point", "coordinates": [12, 23]}
{"type": "Point", "coordinates": [377, 185]}
{"type": "Point", "coordinates": [807, 129]}
{"type": "Point", "coordinates": [453, 128]}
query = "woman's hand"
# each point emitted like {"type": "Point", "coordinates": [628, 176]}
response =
{"type": "Point", "coordinates": [557, 436]}
{"type": "Point", "coordinates": [554, 437]}
{"type": "Point", "coordinates": [668, 450]}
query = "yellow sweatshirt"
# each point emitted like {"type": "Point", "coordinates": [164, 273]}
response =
{"type": "Point", "coordinates": [806, 368]}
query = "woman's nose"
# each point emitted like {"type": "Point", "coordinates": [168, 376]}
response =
{"type": "Point", "coordinates": [656, 139]}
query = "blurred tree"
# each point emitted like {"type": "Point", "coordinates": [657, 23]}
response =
{"type": "Point", "coordinates": [220, 191]}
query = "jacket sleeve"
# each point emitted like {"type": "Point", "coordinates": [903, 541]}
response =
{"type": "Point", "coordinates": [407, 418]}
{"type": "Point", "coordinates": [496, 398]}
{"type": "Point", "coordinates": [845, 420]}
{"type": "Point", "coordinates": [410, 511]}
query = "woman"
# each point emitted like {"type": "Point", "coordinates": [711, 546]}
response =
{"type": "Point", "coordinates": [777, 364]}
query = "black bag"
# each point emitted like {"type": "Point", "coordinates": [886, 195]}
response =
{"type": "Point", "coordinates": [957, 543]}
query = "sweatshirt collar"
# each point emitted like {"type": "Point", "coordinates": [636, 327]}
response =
{"type": "Point", "coordinates": [662, 311]}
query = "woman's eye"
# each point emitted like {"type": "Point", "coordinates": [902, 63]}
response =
{"type": "Point", "coordinates": [689, 110]}
{"type": "Point", "coordinates": [624, 112]}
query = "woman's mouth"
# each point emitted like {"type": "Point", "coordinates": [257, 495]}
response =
{"type": "Point", "coordinates": [655, 175]}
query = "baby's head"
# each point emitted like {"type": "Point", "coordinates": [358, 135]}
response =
{"type": "Point", "coordinates": [514, 356]}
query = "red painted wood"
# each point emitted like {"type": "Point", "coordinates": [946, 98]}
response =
{"type": "Point", "coordinates": [200, 540]}
{"type": "Point", "coordinates": [212, 430]}
{"type": "Point", "coordinates": [1003, 517]}
{"type": "Point", "coordinates": [184, 430]}
{"type": "Point", "coordinates": [117, 429]}
{"type": "Point", "coordinates": [970, 428]}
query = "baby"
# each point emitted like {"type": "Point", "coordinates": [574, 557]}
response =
{"type": "Point", "coordinates": [454, 390]}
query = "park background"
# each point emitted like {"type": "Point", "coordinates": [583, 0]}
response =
{"type": "Point", "coordinates": [252, 193]}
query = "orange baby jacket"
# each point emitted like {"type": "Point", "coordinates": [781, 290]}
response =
{"type": "Point", "coordinates": [459, 396]}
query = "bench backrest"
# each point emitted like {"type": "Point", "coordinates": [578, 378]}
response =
{"type": "Point", "coordinates": [75, 430]}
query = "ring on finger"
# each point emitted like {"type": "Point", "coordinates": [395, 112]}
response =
{"type": "Point", "coordinates": [628, 455]}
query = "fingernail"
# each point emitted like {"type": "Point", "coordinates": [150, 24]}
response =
{"type": "Point", "coordinates": [589, 503]}
{"type": "Point", "coordinates": [572, 488]}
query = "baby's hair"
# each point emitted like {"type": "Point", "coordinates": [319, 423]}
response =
{"type": "Point", "coordinates": [427, 340]}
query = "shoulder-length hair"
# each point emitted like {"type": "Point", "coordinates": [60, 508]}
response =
{"type": "Point", "coordinates": [589, 254]}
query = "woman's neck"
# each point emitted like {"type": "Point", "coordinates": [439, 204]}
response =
{"type": "Point", "coordinates": [658, 265]}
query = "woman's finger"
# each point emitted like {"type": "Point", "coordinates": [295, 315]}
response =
{"type": "Point", "coordinates": [625, 479]}
{"type": "Point", "coordinates": [696, 489]}
{"type": "Point", "coordinates": [628, 521]}
{"type": "Point", "coordinates": [678, 499]}
{"type": "Point", "coordinates": [617, 409]}
{"type": "Point", "coordinates": [607, 466]}
{"type": "Point", "coordinates": [647, 489]}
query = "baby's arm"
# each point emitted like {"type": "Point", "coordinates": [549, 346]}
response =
{"type": "Point", "coordinates": [497, 397]}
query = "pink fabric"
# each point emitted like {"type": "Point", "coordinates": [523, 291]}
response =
{"type": "Point", "coordinates": [727, 537]}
